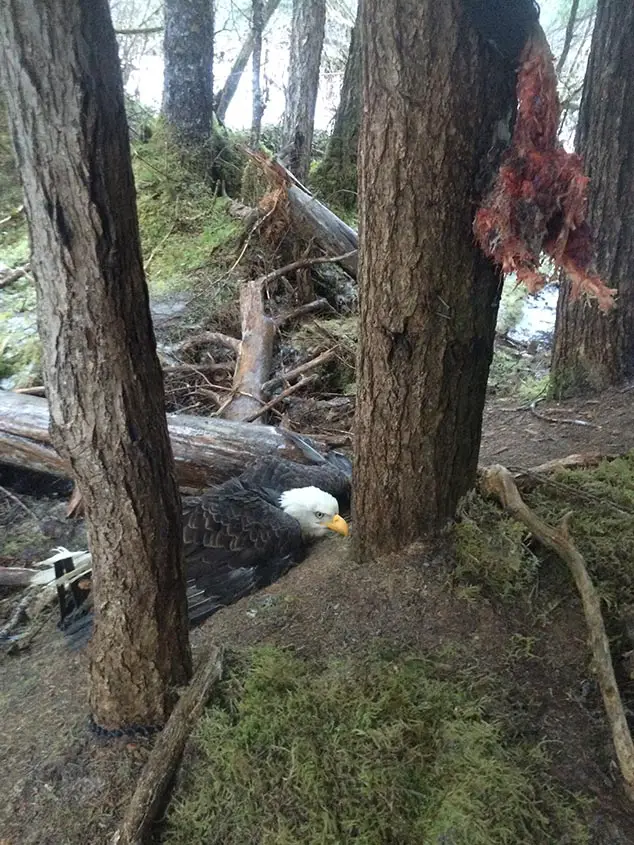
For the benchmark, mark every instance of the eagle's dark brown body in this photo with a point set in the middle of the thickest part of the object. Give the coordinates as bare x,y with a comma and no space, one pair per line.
236,537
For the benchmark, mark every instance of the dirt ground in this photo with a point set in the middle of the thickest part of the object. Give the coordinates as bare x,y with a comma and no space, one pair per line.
60,786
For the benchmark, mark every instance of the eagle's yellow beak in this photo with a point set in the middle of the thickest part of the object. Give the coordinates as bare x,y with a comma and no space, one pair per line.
338,524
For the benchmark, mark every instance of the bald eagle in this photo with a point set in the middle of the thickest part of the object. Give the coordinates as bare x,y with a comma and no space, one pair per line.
247,532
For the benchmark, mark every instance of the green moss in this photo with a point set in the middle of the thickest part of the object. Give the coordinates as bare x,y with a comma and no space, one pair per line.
183,223
20,348
493,550
492,554
373,750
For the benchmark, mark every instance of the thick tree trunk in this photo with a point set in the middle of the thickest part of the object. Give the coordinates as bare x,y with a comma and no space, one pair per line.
188,75
434,93
593,350
101,371
225,95
307,38
336,176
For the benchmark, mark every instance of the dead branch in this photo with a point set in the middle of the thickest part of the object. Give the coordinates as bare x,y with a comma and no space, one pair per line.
290,375
14,275
37,390
498,481
563,421
19,503
198,369
18,211
277,399
302,311
304,262
157,775
15,576
311,218
207,338
255,356
527,479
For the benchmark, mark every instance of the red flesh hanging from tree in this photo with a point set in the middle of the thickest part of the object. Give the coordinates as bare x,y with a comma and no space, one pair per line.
539,200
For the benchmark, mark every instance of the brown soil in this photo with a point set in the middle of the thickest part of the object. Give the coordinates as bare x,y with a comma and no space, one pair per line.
62,787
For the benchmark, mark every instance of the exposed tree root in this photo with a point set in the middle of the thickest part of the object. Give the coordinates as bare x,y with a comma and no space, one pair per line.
498,481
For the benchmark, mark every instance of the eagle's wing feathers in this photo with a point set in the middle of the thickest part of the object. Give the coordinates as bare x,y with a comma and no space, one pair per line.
235,542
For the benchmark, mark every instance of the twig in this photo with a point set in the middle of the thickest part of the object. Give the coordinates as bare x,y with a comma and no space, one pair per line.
277,399
13,215
198,369
301,311
157,775
564,421
158,246
304,262
290,375
19,502
497,480
19,611
210,337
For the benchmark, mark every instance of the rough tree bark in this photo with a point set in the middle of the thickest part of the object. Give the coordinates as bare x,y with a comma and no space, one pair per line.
336,176
225,95
102,374
307,39
428,297
188,75
593,350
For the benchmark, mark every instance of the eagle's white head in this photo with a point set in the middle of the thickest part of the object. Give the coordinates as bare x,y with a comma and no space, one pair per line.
316,511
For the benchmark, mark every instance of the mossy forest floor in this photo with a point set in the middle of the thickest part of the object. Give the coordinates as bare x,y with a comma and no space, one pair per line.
442,696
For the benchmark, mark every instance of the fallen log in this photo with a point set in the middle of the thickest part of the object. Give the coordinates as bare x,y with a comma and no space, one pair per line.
14,275
496,480
310,218
255,357
156,777
206,451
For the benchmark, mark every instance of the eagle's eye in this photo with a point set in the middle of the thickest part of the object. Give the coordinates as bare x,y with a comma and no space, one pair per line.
319,515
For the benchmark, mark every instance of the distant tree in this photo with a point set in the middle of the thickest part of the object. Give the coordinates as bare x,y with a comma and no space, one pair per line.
257,26
225,95
188,76
570,35
103,378
592,349
434,94
307,38
336,176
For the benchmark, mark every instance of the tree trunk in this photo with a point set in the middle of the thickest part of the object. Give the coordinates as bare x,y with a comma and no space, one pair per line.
307,38
428,297
225,95
101,371
188,75
257,26
336,176
593,350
